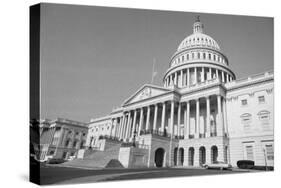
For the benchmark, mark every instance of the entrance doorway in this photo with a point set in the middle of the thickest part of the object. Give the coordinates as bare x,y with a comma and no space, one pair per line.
191,156
202,155
214,154
181,157
159,157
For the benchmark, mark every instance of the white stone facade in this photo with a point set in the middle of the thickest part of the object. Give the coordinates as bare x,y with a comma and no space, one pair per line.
202,113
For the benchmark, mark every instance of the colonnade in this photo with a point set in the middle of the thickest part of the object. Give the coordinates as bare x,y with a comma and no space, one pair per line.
191,76
158,118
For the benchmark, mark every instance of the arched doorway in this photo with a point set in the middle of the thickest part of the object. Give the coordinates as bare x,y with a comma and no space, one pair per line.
191,156
202,155
181,156
214,154
175,156
159,157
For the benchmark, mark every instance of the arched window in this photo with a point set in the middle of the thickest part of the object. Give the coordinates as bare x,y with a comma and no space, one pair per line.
187,56
74,144
198,55
204,55
82,145
192,55
210,56
246,118
264,116
182,58
67,143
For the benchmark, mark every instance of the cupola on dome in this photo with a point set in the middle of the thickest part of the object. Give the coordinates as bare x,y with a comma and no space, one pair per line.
198,39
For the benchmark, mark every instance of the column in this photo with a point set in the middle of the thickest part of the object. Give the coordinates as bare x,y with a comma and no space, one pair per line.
147,118
220,122
124,127
225,128
227,77
171,132
222,76
128,126
187,127
116,128
181,83
140,121
217,74
176,78
187,75
121,126
163,117
210,74
195,75
134,123
203,75
172,118
155,117
112,123
197,118
208,116
179,117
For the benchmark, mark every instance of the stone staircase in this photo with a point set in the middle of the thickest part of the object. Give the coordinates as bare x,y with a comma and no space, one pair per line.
95,158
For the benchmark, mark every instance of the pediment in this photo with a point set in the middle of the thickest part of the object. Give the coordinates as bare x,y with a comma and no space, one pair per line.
145,92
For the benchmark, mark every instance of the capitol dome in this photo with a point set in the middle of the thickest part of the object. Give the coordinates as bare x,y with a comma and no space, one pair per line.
200,40
197,60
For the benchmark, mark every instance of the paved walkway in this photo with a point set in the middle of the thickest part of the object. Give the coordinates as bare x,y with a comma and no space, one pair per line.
97,178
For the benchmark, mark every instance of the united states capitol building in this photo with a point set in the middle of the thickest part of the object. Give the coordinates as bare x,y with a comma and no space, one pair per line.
201,114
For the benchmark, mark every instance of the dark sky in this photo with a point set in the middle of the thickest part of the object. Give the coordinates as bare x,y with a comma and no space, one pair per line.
93,58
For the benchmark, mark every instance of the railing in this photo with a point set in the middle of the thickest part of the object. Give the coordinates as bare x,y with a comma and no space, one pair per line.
202,135
155,132
191,136
213,134
113,138
62,120
135,145
181,137
160,133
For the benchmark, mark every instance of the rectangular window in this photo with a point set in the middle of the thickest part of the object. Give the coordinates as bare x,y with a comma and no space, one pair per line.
244,102
250,153
269,152
64,155
261,99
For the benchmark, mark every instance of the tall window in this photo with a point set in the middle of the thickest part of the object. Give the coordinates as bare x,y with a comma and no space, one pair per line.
269,151
74,144
244,102
250,152
204,56
210,56
198,55
261,99
67,143
246,121
264,115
